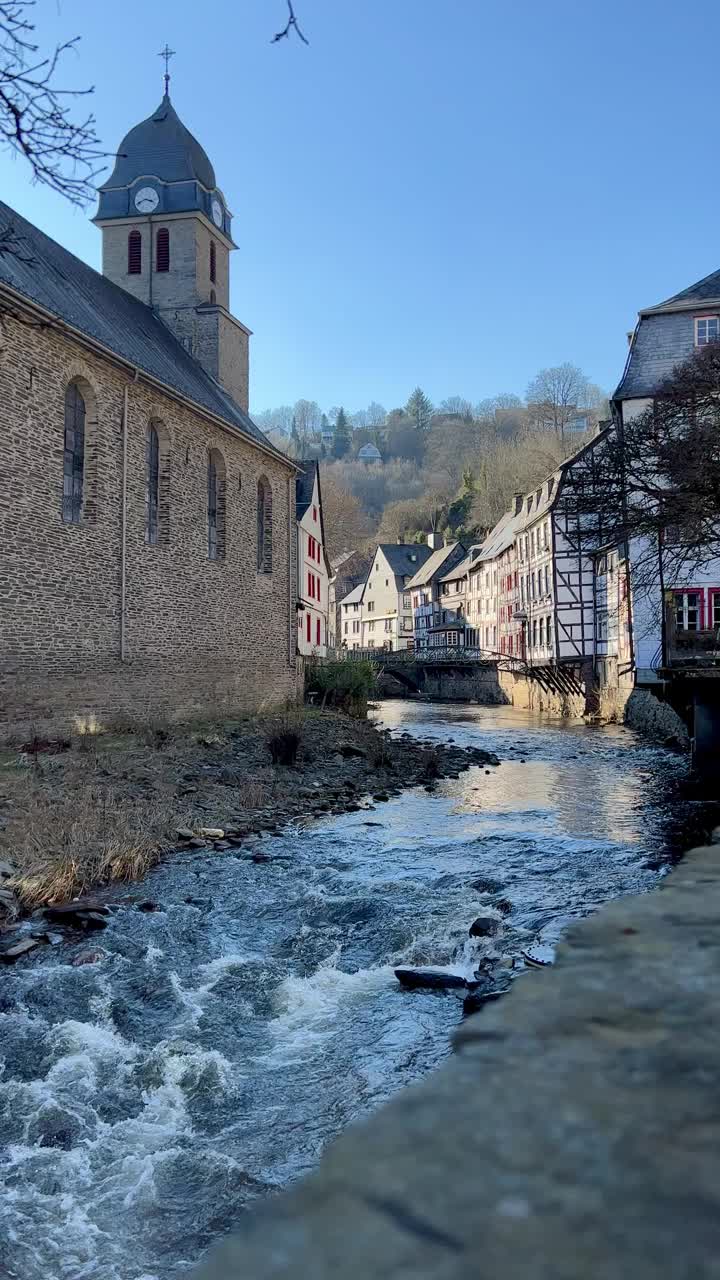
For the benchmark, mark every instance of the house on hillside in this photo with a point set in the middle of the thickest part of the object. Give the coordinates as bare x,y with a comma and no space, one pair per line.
387,615
312,561
425,589
369,454
350,634
147,526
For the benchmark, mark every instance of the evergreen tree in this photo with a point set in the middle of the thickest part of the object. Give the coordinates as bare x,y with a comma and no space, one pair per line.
341,438
420,409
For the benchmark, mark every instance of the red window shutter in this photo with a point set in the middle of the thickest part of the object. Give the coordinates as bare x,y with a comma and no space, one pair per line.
134,253
317,630
308,627
310,582
162,250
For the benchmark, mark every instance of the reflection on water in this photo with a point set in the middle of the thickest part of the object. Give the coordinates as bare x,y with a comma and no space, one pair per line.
225,1038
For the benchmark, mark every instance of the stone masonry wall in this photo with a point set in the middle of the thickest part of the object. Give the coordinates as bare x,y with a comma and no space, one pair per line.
200,634
528,695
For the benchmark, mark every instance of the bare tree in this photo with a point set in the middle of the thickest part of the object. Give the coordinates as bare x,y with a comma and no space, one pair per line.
347,526
555,395
36,112
290,25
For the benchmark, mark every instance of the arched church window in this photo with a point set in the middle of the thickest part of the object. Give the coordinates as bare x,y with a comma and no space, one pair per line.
134,253
162,250
73,455
216,505
264,526
213,261
152,485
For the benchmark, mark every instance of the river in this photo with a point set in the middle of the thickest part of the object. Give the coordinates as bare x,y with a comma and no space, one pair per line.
225,1038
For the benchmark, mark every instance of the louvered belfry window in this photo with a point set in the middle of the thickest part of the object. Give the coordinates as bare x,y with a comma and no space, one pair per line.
152,495
163,250
73,455
213,264
134,253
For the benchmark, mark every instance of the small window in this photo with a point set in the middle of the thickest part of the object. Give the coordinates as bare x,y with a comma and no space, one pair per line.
73,455
317,630
134,253
308,625
162,250
707,329
687,610
716,608
213,262
371,606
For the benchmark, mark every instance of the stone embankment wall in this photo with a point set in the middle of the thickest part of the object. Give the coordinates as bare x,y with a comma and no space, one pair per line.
572,1134
655,719
528,695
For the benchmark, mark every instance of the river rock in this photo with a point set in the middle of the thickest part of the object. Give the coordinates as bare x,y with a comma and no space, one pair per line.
486,884
78,915
148,906
348,750
88,957
475,1000
432,978
211,833
197,842
18,949
184,833
484,927
9,905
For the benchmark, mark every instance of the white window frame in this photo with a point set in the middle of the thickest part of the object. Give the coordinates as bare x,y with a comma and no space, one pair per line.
706,338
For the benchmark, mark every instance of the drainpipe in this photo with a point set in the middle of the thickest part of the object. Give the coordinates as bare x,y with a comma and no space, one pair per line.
292,619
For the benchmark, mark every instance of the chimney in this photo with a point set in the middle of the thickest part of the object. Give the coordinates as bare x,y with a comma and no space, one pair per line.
435,541
518,503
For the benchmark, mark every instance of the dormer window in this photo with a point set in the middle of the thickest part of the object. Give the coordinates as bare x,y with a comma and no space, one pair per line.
162,250
707,329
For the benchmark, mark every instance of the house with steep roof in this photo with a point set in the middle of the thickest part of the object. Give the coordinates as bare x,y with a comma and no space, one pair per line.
312,561
424,588
350,626
147,526
387,619
666,335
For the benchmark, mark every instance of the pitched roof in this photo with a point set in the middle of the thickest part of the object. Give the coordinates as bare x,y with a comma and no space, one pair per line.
354,596
161,147
705,290
462,569
435,563
404,557
46,274
304,485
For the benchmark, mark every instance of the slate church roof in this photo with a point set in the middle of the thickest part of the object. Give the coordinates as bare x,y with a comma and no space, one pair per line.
161,147
42,271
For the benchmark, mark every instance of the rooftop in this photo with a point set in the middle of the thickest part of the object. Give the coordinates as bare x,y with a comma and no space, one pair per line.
161,147
435,563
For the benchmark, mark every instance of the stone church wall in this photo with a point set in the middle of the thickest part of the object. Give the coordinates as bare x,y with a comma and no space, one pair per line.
200,635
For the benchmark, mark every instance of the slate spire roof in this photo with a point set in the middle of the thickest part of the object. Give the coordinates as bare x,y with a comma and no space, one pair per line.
161,147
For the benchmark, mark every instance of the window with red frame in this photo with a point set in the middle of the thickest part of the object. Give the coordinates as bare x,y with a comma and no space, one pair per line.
307,627
311,547
317,629
310,584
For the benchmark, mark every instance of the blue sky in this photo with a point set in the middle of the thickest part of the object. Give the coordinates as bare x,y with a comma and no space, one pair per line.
454,193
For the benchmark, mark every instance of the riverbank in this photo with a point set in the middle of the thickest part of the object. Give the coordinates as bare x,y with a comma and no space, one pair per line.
573,1133
81,813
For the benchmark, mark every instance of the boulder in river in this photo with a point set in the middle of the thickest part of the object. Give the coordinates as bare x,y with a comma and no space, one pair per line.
431,978
475,1000
484,927
18,949
83,914
88,957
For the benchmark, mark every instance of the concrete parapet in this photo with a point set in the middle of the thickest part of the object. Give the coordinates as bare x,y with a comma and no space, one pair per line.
574,1133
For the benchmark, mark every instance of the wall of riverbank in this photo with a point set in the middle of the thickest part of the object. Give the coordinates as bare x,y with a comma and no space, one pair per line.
571,1134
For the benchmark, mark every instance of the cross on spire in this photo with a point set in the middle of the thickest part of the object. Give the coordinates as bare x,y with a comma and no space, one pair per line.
167,53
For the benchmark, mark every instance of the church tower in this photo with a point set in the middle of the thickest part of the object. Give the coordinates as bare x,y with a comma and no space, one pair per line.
167,240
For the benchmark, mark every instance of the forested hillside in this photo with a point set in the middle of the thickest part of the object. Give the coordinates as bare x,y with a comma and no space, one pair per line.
453,467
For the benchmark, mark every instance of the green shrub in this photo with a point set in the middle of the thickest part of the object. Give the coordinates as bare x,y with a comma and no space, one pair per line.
345,683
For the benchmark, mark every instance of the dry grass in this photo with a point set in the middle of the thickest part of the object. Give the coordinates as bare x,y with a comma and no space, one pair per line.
68,841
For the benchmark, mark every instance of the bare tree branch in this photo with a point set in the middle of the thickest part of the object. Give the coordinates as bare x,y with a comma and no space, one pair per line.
291,23
36,119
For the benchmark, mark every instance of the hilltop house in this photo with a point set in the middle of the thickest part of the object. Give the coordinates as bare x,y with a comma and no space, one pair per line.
387,617
147,526
313,566
425,589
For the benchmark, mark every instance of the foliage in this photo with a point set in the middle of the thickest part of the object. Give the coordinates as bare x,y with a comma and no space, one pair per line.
347,525
36,120
345,682
341,436
419,409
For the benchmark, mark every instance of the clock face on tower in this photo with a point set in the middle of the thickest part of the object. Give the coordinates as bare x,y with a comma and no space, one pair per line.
146,200
217,213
